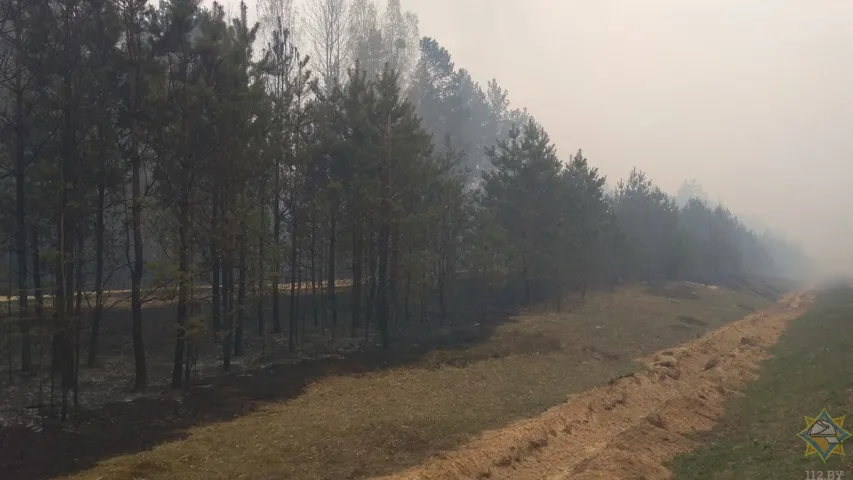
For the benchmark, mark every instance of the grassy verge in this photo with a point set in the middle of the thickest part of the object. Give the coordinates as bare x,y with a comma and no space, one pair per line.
811,370
354,426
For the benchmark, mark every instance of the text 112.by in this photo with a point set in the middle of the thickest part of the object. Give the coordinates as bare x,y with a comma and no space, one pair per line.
825,475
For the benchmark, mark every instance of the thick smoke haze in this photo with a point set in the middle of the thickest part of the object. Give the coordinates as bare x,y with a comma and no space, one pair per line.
753,98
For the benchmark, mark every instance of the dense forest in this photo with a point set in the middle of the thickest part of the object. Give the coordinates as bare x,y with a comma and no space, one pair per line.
326,166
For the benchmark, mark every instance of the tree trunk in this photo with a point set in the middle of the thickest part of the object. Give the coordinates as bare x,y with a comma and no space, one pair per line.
330,280
78,324
356,274
78,310
276,319
294,255
99,277
314,270
232,296
183,281
10,271
39,308
227,295
227,315
141,378
393,267
188,349
370,304
485,296
68,212
261,274
216,282
78,276
300,311
241,301
37,288
383,303
442,288
422,301
59,350
406,296
20,208
64,301
408,289
321,271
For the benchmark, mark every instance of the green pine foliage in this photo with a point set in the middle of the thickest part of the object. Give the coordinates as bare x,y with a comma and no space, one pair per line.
221,157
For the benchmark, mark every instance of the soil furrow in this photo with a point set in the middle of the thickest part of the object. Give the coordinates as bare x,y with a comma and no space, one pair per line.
630,427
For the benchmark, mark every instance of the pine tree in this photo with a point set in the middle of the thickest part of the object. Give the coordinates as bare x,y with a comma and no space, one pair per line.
522,190
403,146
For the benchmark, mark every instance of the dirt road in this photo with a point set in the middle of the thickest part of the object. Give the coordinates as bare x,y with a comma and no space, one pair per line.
629,428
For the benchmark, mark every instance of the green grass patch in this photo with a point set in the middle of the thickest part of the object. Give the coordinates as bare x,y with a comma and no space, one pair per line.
811,369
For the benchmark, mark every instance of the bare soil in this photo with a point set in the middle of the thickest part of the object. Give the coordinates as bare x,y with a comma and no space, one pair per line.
629,428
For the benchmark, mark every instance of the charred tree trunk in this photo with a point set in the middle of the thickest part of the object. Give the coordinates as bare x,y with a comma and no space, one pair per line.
141,372
68,211
183,294
20,207
78,275
241,301
37,288
39,308
407,294
227,313
261,275
484,295
422,301
227,284
330,279
64,299
300,311
442,287
99,277
78,310
324,313
10,255
393,271
276,318
216,268
314,271
370,304
383,304
527,293
356,275
189,348
294,256
64,308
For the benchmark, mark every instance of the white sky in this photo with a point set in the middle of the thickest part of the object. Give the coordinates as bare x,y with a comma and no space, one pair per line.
754,98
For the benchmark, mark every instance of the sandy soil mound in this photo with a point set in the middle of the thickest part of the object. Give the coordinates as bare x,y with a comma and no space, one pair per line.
629,428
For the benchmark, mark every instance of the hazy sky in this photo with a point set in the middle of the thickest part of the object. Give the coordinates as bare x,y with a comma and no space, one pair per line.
754,98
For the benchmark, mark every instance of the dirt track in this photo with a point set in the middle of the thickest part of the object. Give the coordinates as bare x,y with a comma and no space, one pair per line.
629,428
